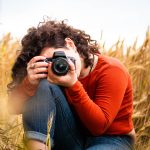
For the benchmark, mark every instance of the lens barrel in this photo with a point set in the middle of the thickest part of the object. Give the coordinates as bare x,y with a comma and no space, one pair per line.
60,66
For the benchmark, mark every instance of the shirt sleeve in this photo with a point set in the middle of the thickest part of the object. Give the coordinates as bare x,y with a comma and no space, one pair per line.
98,114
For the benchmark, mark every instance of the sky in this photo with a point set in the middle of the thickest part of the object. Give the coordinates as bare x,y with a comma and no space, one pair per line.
116,19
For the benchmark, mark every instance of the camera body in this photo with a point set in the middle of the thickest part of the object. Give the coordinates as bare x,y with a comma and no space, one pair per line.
60,65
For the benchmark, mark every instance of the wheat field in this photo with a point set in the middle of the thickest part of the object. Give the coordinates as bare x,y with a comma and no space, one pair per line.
136,59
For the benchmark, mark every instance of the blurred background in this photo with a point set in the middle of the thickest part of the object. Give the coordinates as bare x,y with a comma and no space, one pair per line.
121,28
124,19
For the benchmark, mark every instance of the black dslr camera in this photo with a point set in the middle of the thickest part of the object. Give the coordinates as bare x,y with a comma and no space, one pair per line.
60,65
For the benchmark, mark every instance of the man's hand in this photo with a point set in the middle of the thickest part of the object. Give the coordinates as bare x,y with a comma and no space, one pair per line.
36,69
67,80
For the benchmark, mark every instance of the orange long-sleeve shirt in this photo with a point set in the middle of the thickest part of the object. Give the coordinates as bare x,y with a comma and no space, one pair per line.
104,99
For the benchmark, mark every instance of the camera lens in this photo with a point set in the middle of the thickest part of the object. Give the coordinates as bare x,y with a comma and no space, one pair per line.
60,66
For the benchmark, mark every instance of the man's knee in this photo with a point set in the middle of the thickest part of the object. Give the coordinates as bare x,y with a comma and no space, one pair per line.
45,85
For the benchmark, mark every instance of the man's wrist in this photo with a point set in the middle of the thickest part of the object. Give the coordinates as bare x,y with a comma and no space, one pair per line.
29,88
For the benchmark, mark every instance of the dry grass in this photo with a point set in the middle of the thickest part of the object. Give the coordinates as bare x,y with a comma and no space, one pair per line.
10,126
137,61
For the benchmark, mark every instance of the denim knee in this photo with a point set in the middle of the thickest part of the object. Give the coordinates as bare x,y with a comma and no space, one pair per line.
45,85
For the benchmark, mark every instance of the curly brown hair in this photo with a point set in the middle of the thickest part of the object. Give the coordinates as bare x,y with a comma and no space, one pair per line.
50,33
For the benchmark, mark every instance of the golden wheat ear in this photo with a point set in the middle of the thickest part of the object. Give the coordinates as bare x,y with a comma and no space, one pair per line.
49,125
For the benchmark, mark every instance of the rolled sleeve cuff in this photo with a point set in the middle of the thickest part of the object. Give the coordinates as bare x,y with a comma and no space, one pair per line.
36,136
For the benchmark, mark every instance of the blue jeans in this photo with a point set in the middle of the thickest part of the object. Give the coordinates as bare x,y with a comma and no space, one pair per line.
67,132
